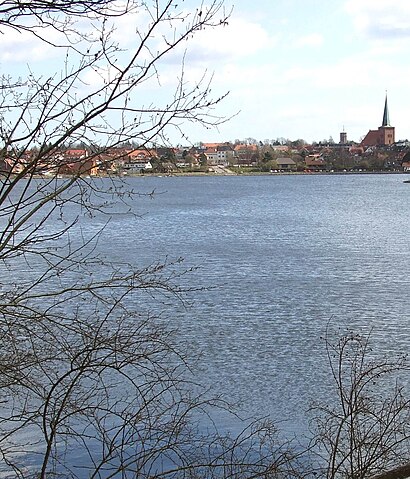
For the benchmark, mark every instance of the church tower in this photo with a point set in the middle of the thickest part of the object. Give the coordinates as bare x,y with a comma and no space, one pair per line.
386,131
384,135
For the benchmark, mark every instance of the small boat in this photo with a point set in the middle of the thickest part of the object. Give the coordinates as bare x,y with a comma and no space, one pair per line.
406,181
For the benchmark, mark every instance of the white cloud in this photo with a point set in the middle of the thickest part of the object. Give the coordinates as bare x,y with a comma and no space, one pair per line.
381,20
356,71
22,47
238,39
222,50
312,40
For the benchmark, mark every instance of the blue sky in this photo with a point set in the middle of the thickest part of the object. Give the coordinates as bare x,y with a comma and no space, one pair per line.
309,68
294,68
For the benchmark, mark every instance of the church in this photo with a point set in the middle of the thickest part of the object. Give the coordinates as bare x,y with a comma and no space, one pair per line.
384,135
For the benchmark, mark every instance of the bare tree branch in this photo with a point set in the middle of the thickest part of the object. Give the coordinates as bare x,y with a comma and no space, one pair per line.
86,367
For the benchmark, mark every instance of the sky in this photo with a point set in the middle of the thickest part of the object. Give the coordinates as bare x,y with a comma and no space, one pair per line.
312,68
294,69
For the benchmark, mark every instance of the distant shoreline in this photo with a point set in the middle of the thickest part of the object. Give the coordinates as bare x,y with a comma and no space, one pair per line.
213,174
256,173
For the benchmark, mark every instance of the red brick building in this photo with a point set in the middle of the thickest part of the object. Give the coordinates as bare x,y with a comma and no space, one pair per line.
384,135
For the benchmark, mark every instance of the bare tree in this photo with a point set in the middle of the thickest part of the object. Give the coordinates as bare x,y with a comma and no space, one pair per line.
91,384
366,429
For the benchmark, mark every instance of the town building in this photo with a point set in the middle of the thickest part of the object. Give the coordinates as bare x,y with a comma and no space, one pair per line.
138,160
218,153
286,164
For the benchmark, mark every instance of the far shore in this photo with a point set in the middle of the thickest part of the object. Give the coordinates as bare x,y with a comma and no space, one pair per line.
261,173
230,173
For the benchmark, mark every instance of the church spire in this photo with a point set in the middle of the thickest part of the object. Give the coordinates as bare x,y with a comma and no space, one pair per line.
386,119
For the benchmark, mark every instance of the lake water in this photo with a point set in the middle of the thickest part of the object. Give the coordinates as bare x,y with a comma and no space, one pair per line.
278,259
284,257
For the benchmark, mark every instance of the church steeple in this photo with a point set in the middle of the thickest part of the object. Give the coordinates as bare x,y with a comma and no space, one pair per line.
384,135
386,119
